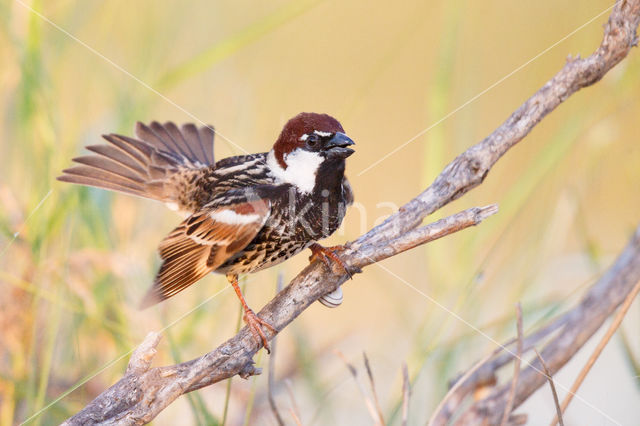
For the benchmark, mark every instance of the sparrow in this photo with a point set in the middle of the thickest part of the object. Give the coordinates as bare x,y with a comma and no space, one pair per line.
242,214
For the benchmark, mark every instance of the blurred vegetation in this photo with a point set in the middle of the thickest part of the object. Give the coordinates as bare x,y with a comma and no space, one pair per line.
74,262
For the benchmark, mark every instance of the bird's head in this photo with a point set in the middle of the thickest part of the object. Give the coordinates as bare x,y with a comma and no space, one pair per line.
309,135
311,150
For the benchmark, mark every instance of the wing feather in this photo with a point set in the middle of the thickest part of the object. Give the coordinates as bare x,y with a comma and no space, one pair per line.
153,166
203,242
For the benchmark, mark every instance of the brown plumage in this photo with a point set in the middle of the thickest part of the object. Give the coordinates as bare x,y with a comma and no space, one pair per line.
243,213
200,245
157,165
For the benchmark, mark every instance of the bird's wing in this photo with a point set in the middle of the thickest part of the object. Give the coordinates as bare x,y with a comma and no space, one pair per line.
191,143
152,166
202,243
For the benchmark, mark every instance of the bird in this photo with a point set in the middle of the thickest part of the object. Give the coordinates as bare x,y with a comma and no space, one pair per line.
241,214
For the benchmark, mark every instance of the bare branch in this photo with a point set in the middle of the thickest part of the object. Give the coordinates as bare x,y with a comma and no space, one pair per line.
144,392
601,345
578,325
459,390
483,373
142,357
150,392
470,168
374,253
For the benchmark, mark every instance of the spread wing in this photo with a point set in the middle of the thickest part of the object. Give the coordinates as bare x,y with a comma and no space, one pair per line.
202,243
189,142
152,166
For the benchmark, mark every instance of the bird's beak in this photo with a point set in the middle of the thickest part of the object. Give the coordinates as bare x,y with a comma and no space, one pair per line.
336,147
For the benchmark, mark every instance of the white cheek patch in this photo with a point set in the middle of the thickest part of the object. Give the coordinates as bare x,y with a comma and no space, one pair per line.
301,170
232,218
322,134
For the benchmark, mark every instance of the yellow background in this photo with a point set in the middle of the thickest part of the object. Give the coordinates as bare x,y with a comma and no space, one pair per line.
72,278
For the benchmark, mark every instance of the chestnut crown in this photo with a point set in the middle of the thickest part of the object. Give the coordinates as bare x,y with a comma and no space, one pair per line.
312,132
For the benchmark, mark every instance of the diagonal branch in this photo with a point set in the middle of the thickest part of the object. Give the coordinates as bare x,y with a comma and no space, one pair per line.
565,336
581,323
144,392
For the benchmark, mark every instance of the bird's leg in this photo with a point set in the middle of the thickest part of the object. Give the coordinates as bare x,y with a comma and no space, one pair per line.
253,321
327,254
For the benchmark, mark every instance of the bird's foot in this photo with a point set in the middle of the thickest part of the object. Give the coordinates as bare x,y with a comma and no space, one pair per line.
328,254
255,324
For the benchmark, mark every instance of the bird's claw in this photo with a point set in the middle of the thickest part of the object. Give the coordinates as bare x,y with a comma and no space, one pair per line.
327,254
255,324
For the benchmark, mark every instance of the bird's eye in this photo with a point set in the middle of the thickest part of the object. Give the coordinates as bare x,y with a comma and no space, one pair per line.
312,140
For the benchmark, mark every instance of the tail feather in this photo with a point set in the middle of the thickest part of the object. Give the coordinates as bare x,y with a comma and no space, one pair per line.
137,150
102,175
117,155
114,186
148,166
111,166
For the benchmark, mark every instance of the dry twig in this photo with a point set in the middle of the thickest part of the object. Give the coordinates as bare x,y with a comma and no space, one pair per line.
516,372
144,392
354,373
452,399
554,393
578,325
295,410
372,383
598,350
483,372
406,393
272,366
296,419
